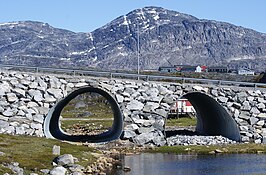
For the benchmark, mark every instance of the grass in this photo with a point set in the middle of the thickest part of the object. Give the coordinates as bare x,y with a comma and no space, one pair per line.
33,153
184,121
229,149
96,105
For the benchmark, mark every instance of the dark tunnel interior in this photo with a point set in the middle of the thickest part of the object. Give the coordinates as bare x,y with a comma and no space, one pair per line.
212,118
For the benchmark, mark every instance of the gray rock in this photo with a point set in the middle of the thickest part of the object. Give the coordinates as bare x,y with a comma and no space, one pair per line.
242,94
10,130
4,88
56,150
260,123
142,130
33,85
254,110
58,171
236,113
38,118
49,99
45,171
156,99
42,110
244,115
163,90
75,168
1,109
41,83
32,104
9,112
214,92
144,122
198,88
81,84
262,115
3,118
257,141
253,120
131,127
152,92
150,106
243,128
57,93
159,140
127,134
135,105
119,98
237,105
36,126
261,106
161,112
11,97
3,124
250,98
20,130
222,99
15,168
246,106
65,159
261,100
264,139
169,98
143,138
245,139
19,92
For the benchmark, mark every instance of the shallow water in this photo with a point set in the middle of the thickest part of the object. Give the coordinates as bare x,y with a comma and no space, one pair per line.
168,164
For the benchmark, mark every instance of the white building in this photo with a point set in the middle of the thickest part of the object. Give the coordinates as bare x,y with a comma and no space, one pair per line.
198,69
245,71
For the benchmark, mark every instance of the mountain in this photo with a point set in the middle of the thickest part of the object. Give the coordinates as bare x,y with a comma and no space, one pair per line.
165,38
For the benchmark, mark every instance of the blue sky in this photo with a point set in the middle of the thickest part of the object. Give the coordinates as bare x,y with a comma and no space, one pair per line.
88,15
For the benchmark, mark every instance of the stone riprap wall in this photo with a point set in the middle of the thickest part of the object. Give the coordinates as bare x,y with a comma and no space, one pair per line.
25,99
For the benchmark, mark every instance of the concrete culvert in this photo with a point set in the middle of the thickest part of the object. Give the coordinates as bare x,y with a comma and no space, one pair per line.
212,118
52,127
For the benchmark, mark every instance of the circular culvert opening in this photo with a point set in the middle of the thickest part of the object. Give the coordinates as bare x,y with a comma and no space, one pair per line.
211,119
87,114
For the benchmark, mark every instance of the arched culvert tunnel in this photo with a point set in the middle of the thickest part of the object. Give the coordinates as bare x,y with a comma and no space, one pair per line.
212,118
52,127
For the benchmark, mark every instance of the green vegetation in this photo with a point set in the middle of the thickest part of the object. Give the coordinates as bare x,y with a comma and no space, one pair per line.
232,148
90,106
33,153
184,121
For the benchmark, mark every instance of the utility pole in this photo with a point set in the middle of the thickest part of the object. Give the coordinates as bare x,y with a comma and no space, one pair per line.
138,50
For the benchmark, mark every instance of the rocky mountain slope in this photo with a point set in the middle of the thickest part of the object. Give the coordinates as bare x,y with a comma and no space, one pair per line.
165,37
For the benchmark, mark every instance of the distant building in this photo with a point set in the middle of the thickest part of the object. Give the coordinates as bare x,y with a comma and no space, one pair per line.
198,69
245,71
219,69
204,68
168,69
183,68
182,106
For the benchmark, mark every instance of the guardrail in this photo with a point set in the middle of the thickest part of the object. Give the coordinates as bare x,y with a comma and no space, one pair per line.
131,75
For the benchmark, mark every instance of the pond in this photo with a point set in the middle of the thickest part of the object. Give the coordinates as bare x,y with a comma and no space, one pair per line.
158,164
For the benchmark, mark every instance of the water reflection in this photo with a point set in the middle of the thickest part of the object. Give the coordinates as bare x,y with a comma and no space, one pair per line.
194,164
